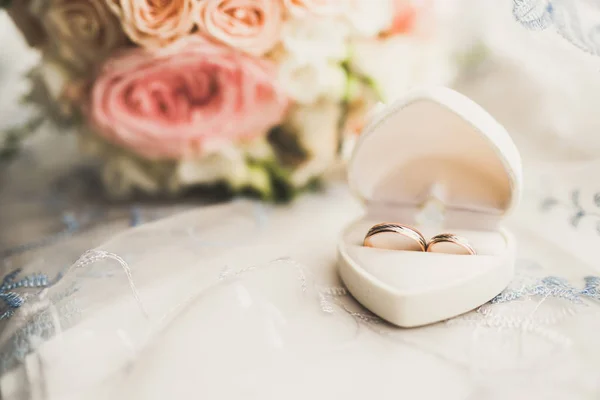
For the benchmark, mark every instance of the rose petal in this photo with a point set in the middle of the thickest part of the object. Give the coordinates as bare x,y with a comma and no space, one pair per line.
177,104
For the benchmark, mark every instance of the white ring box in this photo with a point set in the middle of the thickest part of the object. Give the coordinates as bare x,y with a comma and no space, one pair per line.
430,138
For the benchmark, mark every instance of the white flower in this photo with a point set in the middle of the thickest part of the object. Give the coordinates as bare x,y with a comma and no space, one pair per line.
316,39
55,78
122,176
227,165
230,166
307,82
368,18
318,131
314,47
397,64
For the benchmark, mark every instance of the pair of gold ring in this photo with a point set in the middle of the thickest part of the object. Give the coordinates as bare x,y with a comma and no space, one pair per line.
402,237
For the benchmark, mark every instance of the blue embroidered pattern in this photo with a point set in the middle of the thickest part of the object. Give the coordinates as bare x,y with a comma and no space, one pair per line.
571,19
41,327
577,211
591,289
13,300
533,14
553,287
135,216
72,224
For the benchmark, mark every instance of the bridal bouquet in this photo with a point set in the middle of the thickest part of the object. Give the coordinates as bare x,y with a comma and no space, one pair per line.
258,95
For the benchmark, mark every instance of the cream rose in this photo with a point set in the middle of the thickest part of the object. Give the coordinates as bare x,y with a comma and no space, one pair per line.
82,32
312,40
306,83
186,100
252,26
152,23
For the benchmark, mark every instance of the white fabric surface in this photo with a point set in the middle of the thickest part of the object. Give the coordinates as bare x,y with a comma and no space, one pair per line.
242,300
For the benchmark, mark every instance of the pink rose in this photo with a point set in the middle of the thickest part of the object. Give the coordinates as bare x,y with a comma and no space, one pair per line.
184,100
152,23
301,8
252,26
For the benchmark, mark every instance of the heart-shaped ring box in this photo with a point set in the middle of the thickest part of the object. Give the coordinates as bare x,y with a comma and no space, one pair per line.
432,137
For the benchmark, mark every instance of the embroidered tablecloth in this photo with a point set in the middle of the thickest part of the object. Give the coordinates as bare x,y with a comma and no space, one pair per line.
242,299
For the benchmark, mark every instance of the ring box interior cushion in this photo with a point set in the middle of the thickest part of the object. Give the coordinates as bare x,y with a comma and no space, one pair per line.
432,137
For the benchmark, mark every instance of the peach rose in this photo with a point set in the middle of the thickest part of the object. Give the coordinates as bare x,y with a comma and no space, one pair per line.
82,32
186,99
301,8
407,14
152,23
252,26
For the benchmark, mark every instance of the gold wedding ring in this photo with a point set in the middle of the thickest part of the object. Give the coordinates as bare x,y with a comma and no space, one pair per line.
450,244
395,237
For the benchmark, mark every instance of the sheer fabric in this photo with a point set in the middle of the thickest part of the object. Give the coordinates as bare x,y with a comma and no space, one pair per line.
243,300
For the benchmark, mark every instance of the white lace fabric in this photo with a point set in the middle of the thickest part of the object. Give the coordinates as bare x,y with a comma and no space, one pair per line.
242,300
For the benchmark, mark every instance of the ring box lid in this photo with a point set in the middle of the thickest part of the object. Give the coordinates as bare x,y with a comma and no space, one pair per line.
436,137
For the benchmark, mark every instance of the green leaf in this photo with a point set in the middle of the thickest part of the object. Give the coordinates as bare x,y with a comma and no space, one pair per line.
63,115
14,137
275,182
287,146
